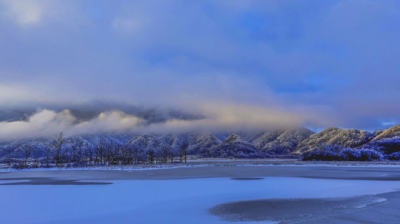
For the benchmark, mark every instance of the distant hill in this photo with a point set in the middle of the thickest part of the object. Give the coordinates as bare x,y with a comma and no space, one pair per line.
202,143
388,133
254,144
335,136
234,147
286,142
266,138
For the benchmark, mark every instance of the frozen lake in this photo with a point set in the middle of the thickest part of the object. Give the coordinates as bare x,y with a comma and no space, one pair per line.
164,201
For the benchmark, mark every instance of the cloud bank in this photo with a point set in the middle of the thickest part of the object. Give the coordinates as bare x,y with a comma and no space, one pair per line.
219,118
240,64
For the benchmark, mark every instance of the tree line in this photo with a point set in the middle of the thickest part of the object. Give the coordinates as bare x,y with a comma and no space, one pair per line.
327,152
75,152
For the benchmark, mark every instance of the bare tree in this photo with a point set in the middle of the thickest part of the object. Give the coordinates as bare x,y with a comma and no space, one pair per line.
76,148
182,145
125,154
100,150
111,152
89,152
138,154
26,150
58,146
165,151
47,149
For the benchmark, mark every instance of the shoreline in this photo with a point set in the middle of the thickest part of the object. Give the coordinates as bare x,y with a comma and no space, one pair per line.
379,173
218,162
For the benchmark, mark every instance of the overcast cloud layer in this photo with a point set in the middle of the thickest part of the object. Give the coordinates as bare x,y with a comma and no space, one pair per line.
237,63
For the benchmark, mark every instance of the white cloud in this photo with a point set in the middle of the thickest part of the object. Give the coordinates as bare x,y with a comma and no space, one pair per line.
24,11
45,123
13,94
34,12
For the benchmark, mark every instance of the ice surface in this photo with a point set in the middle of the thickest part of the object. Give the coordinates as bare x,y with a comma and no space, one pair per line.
162,201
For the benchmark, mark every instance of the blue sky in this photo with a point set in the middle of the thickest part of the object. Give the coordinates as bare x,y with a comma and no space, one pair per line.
315,63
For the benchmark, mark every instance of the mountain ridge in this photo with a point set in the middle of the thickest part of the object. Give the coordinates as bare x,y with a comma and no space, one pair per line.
295,141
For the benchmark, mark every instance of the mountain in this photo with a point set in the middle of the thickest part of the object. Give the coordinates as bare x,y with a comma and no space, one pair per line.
388,133
110,138
169,139
250,136
335,136
234,147
266,138
148,141
274,142
286,142
202,143
7,148
386,141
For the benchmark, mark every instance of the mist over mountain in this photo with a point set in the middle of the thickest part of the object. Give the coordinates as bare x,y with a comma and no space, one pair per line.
251,143
167,128
150,115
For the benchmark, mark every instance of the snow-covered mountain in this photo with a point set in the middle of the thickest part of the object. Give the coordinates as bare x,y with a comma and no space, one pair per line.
335,136
266,138
285,143
388,133
250,136
234,147
148,141
274,142
202,143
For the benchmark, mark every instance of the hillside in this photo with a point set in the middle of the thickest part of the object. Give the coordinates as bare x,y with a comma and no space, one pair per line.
202,143
286,142
234,147
388,133
147,141
335,136
274,142
266,138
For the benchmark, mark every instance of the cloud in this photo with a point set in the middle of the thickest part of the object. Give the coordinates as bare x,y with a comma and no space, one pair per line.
231,118
330,62
217,118
24,11
15,95
45,123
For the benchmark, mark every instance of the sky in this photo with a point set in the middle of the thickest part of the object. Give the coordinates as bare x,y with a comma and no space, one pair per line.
249,64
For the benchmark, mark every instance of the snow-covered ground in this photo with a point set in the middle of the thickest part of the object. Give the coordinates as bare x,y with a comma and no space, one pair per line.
163,201
226,162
